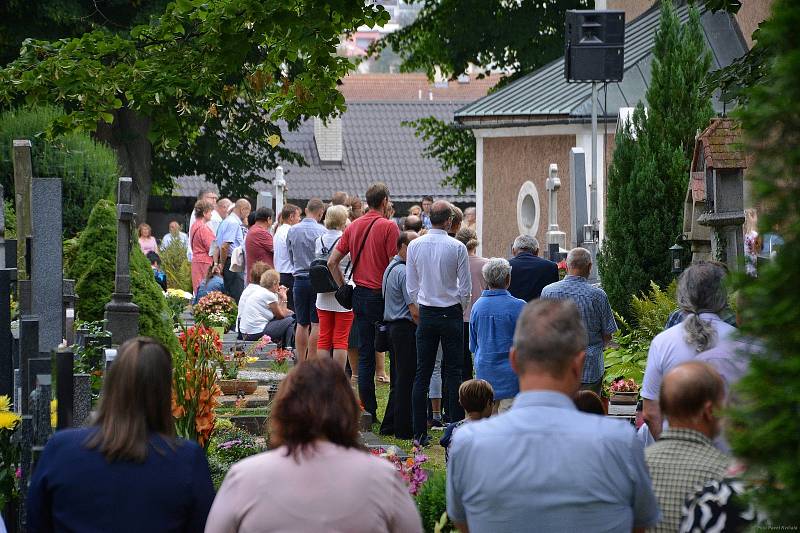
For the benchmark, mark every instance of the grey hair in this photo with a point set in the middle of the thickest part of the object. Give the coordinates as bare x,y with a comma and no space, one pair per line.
495,272
579,259
526,242
701,289
548,337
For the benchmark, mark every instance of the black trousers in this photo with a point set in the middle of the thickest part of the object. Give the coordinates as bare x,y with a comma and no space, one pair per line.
287,280
234,282
467,368
397,419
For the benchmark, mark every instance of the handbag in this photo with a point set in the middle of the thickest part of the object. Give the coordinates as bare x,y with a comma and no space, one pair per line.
382,340
237,259
344,294
321,278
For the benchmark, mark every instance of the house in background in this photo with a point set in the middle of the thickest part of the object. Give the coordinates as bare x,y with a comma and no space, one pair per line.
367,143
524,127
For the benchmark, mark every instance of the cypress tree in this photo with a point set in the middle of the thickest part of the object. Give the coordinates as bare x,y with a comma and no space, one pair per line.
649,172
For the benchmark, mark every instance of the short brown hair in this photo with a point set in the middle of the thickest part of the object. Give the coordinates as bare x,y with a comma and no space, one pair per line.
548,336
269,277
376,194
475,395
287,211
315,402
339,198
315,205
258,268
687,388
468,237
136,401
201,207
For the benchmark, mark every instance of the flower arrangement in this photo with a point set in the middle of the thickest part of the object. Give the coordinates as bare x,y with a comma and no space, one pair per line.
230,444
89,358
216,320
410,469
9,454
623,385
562,269
230,364
177,300
194,387
280,360
215,303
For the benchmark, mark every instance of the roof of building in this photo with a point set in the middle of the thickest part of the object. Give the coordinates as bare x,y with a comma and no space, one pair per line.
376,146
721,145
414,86
545,93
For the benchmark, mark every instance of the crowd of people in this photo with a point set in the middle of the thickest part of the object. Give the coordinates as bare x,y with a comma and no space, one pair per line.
499,350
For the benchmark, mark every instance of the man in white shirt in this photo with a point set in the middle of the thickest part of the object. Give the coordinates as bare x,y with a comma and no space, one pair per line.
439,283
289,216
229,237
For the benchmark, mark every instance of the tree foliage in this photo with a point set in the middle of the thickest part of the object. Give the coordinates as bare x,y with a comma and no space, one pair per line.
454,147
451,35
93,265
167,82
766,426
87,169
649,172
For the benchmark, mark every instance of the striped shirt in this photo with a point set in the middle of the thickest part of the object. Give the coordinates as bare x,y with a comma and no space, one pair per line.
597,316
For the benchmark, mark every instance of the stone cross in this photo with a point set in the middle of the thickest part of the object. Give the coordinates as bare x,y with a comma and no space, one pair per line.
122,315
47,264
554,235
23,175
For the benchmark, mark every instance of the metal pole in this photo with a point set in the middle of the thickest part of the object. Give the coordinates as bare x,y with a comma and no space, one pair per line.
593,207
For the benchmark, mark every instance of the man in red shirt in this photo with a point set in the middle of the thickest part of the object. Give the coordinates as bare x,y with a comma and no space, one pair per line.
258,243
371,241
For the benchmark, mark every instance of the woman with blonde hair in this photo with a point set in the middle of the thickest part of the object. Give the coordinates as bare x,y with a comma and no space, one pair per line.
265,311
147,242
127,471
334,320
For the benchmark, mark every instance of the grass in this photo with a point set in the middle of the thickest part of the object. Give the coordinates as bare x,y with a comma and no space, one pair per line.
434,452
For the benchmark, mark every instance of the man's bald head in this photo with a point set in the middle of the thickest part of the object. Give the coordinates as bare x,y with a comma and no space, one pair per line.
690,393
441,214
413,223
242,208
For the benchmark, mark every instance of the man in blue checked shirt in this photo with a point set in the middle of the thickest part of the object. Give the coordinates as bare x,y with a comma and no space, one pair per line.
595,311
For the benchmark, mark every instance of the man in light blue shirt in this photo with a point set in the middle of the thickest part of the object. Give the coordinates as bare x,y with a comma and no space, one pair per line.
230,235
544,465
592,302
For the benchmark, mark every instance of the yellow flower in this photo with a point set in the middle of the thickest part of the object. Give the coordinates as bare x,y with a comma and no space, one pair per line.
5,403
9,420
53,413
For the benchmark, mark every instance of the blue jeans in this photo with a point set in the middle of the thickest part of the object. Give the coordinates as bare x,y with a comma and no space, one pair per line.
368,309
445,325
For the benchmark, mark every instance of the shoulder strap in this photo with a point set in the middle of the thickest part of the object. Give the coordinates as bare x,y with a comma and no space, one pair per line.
354,262
389,273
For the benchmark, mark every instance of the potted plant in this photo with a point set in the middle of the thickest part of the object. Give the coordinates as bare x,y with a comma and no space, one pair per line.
215,303
218,322
624,391
230,365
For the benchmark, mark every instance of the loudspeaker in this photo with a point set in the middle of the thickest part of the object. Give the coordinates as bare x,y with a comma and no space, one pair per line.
594,42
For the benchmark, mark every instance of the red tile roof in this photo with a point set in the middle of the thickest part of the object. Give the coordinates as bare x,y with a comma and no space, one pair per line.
721,145
412,87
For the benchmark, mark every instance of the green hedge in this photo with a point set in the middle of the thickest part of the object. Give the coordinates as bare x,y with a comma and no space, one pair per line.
89,170
432,501
92,265
155,319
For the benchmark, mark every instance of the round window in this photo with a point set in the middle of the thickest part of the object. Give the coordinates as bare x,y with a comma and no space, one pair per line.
528,209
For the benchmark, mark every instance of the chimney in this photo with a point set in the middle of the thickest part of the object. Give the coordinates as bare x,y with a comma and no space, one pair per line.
328,138
430,95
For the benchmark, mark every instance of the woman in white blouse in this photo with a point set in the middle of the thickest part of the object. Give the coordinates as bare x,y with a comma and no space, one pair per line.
263,309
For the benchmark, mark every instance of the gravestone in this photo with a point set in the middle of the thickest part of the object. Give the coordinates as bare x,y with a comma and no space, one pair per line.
122,315
7,277
23,175
47,261
69,304
82,399
65,388
578,201
28,349
3,232
264,199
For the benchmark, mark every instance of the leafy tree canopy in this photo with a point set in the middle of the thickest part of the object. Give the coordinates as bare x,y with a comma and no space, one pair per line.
198,65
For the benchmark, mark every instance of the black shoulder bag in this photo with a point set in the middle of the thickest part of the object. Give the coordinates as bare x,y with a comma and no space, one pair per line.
344,294
382,342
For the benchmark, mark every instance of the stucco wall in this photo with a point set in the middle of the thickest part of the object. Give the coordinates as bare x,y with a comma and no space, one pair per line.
632,8
507,163
750,15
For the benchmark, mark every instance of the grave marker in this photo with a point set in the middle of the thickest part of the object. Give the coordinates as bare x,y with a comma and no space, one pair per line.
7,277
47,269
23,175
122,315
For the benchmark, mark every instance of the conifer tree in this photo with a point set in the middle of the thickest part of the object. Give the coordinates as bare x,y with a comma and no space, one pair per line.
648,176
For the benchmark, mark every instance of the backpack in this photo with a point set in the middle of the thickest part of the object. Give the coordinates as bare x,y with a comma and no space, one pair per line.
321,278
